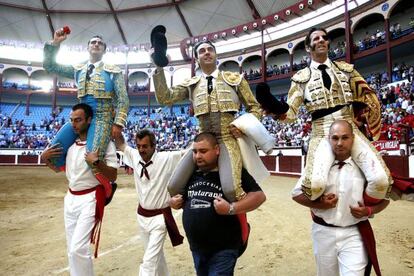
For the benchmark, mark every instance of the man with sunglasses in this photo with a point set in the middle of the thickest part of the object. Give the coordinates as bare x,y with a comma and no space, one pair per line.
101,86
336,91
216,97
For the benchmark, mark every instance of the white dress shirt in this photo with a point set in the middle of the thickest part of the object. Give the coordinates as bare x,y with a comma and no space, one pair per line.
314,65
79,174
96,65
214,75
347,184
153,193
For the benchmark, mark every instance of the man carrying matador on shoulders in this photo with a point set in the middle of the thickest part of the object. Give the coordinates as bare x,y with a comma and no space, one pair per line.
333,91
101,86
216,97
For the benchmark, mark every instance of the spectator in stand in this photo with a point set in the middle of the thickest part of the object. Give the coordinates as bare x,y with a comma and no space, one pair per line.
392,30
397,29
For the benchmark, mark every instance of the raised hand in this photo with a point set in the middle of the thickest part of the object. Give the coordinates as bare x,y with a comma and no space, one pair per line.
59,36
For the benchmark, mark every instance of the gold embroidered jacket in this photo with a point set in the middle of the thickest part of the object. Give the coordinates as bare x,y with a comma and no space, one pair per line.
107,82
348,87
230,91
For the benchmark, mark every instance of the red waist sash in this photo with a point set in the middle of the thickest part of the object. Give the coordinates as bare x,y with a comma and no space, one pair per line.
83,192
99,213
172,229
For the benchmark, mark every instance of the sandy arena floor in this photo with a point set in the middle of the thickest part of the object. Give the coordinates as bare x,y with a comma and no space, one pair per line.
33,241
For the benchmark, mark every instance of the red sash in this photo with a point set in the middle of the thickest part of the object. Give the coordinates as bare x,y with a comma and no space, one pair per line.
99,213
172,229
368,239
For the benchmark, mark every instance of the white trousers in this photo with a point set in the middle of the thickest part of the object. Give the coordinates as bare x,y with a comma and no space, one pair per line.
338,251
153,231
79,217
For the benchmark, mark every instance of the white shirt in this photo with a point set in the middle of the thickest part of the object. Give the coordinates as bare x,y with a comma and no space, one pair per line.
96,65
214,75
314,65
347,184
404,104
153,193
78,173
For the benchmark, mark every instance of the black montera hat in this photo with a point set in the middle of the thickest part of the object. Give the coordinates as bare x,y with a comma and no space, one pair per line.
268,102
159,43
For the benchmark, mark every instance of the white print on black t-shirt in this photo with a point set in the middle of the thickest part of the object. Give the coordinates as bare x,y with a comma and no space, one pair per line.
203,193
205,183
198,203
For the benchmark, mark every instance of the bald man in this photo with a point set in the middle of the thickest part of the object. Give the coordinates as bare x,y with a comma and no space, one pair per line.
341,231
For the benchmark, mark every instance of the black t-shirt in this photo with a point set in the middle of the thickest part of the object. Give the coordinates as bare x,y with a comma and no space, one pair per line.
206,230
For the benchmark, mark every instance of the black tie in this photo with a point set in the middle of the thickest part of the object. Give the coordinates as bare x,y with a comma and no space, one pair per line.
325,77
209,84
340,164
144,170
89,72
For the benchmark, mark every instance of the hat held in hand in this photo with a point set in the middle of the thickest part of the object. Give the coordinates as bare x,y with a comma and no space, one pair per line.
268,102
159,43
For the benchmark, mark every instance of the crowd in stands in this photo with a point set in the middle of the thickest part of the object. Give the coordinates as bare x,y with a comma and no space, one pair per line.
19,135
20,86
29,136
290,135
66,84
338,51
176,129
370,41
378,37
173,131
138,87
402,72
253,74
275,70
397,101
303,63
397,31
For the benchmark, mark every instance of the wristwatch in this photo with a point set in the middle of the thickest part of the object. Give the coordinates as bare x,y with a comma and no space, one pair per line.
231,209
95,163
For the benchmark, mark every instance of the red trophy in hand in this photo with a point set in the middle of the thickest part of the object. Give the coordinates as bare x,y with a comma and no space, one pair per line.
66,30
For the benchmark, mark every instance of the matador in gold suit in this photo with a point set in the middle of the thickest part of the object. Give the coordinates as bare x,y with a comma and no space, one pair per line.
216,97
330,91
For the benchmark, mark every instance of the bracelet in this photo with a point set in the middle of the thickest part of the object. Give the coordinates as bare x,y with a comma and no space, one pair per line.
231,209
369,211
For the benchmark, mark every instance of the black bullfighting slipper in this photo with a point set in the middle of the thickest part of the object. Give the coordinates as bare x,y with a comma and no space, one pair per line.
159,43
